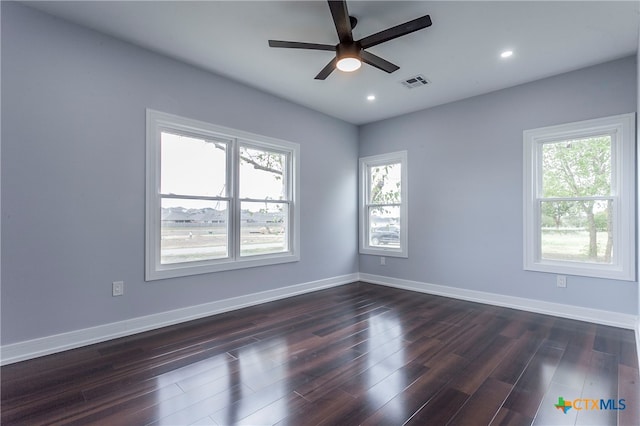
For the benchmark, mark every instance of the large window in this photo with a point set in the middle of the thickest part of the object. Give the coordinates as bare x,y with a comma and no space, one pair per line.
217,198
383,205
579,198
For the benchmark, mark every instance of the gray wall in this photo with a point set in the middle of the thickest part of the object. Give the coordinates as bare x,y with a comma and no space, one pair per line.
72,195
465,177
73,136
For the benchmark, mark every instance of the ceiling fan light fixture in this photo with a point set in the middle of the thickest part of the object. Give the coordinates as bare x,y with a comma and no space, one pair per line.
348,64
348,55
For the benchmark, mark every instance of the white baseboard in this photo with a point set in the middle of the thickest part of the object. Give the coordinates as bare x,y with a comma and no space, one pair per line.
597,316
74,339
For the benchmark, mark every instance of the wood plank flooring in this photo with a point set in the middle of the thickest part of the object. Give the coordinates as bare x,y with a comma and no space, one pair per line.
350,355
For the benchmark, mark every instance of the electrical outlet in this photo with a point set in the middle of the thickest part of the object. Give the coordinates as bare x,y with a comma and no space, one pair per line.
118,288
383,260
561,281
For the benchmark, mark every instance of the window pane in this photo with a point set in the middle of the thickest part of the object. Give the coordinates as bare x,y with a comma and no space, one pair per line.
384,226
263,228
384,184
193,230
262,174
579,231
192,166
577,168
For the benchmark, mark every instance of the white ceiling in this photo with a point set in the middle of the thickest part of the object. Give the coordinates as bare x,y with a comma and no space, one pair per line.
459,53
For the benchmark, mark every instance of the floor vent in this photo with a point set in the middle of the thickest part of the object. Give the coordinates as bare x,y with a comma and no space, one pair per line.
416,81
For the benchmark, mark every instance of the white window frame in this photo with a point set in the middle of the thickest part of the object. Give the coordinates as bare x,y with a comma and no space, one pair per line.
622,129
159,121
379,160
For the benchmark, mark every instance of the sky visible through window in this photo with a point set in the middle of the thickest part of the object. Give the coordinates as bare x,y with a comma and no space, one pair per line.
196,167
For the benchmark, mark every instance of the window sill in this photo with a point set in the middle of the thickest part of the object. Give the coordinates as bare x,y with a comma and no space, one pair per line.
387,252
581,269
187,269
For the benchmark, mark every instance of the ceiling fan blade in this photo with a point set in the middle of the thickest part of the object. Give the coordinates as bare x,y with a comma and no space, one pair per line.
378,62
395,32
327,70
341,20
300,45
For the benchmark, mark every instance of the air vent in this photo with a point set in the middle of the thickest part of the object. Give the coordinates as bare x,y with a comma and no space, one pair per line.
416,81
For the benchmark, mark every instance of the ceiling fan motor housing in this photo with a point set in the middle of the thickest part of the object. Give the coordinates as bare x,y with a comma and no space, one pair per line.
348,50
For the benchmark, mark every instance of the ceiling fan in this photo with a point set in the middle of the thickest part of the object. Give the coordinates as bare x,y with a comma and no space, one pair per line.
351,53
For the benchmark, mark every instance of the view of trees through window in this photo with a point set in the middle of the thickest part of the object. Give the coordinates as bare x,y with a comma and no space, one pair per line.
576,204
197,199
384,205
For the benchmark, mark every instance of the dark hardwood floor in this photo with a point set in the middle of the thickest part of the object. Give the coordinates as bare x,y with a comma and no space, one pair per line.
354,354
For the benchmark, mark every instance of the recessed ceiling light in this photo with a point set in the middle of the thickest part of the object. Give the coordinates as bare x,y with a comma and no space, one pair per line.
506,54
371,98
